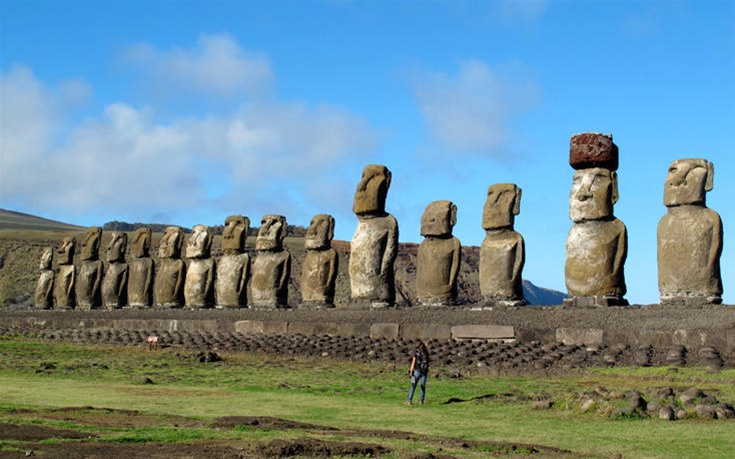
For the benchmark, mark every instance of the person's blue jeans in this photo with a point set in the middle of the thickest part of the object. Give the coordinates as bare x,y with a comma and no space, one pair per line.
417,378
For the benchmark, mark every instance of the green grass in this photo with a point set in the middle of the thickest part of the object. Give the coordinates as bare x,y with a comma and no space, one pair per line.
348,396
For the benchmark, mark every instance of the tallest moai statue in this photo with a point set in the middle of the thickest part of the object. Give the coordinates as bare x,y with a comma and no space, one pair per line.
597,244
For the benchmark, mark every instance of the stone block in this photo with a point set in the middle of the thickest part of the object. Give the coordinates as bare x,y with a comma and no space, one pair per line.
586,336
426,332
483,332
249,327
312,328
357,330
386,330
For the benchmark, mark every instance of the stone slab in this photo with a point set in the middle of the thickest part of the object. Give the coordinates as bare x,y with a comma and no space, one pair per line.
312,328
585,336
483,332
426,332
386,330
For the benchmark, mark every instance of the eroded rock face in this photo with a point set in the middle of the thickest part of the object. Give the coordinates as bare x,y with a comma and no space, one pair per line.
115,282
689,237
502,254
199,284
233,268
271,267
171,273
44,295
374,246
66,277
319,269
90,271
439,256
597,243
141,270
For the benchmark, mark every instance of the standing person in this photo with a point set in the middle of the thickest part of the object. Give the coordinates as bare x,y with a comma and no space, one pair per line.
419,371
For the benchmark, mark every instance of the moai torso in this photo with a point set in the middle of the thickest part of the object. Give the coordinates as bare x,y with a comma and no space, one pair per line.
439,256
141,270
171,272
233,268
374,246
90,272
319,269
44,295
597,243
65,278
115,282
689,238
271,267
199,285
502,254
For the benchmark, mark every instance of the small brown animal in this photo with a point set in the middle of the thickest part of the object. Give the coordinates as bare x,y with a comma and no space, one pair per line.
152,343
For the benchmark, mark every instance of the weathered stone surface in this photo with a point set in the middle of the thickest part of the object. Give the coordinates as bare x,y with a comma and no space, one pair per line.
689,237
171,272
199,284
90,271
271,268
585,336
115,281
312,328
426,332
141,270
235,234
384,330
439,256
592,149
483,332
44,294
374,246
233,269
597,243
321,264
66,277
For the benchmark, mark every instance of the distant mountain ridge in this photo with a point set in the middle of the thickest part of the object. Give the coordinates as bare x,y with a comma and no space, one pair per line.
12,220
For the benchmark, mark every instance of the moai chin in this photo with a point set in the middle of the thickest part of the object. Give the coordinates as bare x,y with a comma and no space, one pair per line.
90,271
439,256
199,284
171,273
66,277
374,246
320,266
141,270
115,282
503,253
689,237
597,243
271,268
44,295
233,269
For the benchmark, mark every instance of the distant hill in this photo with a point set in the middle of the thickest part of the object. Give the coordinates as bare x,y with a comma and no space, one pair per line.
11,220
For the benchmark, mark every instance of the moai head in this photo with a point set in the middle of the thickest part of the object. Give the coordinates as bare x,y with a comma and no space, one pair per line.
171,243
200,242
47,258
503,203
271,234
320,233
118,245
66,251
141,243
439,218
235,233
594,191
688,182
372,190
91,243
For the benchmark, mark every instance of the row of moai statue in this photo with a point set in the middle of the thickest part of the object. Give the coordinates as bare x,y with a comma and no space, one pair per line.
689,249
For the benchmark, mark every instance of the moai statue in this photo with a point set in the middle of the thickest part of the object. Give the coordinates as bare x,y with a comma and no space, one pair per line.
140,270
597,243
168,287
272,265
233,269
503,252
689,237
44,297
374,246
439,256
66,277
319,270
199,285
115,283
90,271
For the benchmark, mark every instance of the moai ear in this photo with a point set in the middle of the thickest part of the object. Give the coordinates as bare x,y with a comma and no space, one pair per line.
614,179
517,203
452,214
330,221
710,176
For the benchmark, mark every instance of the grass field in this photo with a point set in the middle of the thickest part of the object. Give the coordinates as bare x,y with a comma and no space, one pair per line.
183,400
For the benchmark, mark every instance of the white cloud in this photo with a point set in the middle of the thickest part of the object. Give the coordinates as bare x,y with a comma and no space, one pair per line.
472,111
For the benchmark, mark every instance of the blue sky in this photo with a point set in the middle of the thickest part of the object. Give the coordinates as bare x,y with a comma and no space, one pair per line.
187,112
